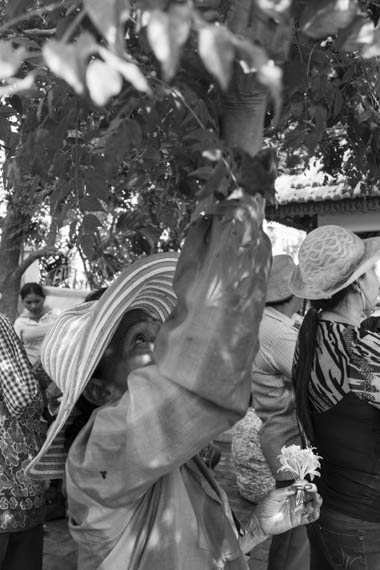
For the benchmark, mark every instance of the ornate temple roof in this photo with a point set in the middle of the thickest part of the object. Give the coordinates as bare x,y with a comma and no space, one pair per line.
302,198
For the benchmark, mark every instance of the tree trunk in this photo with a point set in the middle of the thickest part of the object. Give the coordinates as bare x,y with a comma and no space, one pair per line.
245,102
11,244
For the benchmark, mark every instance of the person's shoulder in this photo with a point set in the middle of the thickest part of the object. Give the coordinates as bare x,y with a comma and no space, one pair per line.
50,314
6,325
5,320
274,323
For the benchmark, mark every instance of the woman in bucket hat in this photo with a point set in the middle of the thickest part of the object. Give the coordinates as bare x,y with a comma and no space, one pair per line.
138,497
337,383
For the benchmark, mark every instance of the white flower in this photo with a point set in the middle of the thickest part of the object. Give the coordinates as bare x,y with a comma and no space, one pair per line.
299,462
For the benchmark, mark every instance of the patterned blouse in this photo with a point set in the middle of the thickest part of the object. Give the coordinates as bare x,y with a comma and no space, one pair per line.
347,360
21,499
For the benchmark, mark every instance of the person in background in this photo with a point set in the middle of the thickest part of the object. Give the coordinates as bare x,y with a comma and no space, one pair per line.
166,376
36,320
21,498
31,327
337,386
273,399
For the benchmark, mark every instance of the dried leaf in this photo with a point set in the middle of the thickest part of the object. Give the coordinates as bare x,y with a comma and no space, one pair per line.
69,61
102,81
167,32
217,51
322,18
10,59
130,71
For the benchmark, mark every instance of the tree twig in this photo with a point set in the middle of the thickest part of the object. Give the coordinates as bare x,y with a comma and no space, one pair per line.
33,256
36,12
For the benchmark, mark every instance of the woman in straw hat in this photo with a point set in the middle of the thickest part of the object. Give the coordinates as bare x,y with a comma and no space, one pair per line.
138,496
337,383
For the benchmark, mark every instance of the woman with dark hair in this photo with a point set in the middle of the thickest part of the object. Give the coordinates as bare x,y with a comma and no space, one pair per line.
337,383
37,319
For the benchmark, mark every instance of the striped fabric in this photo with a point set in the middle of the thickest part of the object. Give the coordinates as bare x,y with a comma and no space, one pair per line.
79,337
346,360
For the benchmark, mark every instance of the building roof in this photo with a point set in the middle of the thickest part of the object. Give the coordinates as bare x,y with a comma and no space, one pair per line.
301,198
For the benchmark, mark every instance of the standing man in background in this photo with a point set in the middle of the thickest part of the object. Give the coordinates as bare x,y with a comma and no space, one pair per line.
273,400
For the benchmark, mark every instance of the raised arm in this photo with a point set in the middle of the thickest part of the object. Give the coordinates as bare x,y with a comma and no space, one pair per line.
200,384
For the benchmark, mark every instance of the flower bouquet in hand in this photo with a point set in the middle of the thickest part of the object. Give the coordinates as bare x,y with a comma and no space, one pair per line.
300,463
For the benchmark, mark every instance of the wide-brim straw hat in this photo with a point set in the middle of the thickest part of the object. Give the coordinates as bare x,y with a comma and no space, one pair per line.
278,283
330,259
75,344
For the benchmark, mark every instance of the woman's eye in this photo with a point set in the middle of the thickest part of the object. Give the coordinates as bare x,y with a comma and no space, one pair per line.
139,338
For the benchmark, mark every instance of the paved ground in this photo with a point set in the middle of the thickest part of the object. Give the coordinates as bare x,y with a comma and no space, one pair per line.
60,551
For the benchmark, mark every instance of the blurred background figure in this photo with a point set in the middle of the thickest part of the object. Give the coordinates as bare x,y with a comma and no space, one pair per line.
31,327
274,402
35,321
21,499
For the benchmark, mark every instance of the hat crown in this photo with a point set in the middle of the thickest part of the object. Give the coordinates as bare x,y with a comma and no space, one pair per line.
278,282
330,254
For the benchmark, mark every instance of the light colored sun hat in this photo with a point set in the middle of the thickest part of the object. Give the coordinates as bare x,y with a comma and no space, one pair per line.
278,283
73,347
331,258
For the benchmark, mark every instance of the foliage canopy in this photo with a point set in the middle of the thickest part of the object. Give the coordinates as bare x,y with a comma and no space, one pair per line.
111,112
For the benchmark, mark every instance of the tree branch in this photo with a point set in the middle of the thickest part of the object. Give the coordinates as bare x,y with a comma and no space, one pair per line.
33,256
31,14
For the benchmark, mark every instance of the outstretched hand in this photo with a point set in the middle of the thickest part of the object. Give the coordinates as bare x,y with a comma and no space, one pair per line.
279,511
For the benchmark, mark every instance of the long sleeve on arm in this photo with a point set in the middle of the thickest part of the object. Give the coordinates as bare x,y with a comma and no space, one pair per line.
200,384
272,389
18,386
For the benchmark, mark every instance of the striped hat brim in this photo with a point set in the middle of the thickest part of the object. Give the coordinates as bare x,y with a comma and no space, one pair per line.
73,347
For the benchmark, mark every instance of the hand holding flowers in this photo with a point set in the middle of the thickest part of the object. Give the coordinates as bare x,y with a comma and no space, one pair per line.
300,463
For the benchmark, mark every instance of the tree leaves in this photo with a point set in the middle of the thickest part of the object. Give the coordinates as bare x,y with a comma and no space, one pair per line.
109,17
216,49
69,61
130,71
257,174
322,18
167,32
362,36
91,223
90,204
126,135
102,81
10,59
17,7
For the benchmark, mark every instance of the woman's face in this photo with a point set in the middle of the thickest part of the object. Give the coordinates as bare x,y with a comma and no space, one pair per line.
369,284
34,303
130,348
